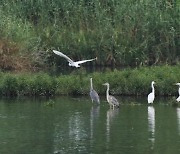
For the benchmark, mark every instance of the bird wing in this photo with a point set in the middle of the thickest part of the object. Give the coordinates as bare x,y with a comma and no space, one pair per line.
114,100
150,98
178,99
63,55
84,61
94,95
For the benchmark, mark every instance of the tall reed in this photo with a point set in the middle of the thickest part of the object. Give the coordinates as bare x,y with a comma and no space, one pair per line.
122,32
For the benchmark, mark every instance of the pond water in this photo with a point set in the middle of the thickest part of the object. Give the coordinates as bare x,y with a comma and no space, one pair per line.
74,125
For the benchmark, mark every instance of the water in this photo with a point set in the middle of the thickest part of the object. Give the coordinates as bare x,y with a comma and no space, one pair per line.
74,125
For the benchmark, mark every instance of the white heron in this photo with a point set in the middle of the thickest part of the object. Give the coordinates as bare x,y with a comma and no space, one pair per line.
178,99
93,94
111,99
71,62
151,96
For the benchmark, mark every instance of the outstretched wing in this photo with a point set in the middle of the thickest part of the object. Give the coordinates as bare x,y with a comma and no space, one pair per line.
84,61
63,55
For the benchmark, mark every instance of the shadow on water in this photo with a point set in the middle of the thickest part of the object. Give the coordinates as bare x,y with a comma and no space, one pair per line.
75,125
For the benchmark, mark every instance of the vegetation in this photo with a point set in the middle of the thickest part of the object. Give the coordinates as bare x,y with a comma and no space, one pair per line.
121,32
125,82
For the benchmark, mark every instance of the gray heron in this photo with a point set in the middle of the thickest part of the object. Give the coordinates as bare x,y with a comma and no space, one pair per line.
151,96
71,62
93,94
111,99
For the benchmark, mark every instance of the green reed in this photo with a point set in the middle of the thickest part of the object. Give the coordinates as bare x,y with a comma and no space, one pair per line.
125,82
121,32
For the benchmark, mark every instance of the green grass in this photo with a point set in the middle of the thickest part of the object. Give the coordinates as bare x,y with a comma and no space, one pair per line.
125,82
121,32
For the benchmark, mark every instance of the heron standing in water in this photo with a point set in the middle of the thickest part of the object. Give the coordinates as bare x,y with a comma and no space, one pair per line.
111,99
151,96
93,94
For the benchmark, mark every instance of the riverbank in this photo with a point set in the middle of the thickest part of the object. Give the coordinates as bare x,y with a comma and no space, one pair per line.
126,82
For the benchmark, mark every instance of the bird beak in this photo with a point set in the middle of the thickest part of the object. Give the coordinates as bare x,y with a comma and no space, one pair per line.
104,84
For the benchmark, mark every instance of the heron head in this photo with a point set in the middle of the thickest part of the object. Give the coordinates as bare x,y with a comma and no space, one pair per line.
106,84
153,82
70,64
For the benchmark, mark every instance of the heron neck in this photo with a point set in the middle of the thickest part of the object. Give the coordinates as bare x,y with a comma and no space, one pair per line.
107,91
179,90
91,83
153,90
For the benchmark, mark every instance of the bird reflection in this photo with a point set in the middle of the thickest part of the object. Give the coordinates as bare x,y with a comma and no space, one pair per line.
94,114
178,118
151,123
111,114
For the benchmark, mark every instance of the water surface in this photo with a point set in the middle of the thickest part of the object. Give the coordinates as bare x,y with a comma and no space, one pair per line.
74,125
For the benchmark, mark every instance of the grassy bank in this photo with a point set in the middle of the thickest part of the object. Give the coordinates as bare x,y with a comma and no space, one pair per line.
121,32
125,82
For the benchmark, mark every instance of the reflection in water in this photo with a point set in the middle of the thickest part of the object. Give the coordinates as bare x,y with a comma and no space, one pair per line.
27,126
94,114
75,127
151,123
111,113
178,118
70,136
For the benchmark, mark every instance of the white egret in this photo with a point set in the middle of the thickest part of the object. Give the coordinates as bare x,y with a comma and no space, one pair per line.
151,96
178,99
93,94
71,62
111,99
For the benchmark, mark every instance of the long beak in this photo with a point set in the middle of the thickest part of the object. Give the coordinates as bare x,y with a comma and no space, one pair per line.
104,84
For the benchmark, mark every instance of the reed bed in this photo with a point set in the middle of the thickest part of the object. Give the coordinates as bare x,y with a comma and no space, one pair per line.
118,32
125,82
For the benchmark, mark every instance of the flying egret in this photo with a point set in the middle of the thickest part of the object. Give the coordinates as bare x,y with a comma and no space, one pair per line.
93,94
111,99
151,96
71,62
178,99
